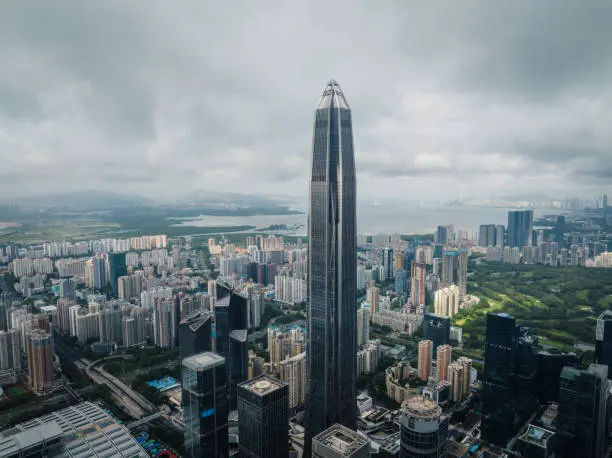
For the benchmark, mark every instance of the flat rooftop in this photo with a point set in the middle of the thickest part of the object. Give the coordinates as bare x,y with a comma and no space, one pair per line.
203,360
341,439
421,407
537,436
262,385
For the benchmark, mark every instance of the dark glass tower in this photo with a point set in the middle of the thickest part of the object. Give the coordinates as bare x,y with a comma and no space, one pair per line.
205,409
263,410
509,382
332,270
195,333
117,268
437,329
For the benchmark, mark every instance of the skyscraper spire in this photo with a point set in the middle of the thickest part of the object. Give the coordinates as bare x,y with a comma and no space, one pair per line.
332,269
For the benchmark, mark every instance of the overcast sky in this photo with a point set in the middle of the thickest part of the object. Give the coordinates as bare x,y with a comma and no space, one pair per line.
163,97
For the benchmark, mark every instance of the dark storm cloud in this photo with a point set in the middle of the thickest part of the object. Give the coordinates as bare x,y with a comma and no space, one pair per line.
163,97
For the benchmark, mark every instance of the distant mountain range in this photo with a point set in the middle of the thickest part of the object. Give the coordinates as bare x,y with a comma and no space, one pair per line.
105,200
84,200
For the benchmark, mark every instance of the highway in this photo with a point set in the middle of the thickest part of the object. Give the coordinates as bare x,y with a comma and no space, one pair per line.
134,403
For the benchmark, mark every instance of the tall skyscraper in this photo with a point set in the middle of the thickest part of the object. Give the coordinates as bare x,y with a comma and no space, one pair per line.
117,268
387,261
510,369
417,288
520,226
332,270
40,360
363,326
450,268
205,408
401,285
373,295
11,357
500,235
603,340
338,441
5,304
293,371
263,410
423,428
443,359
425,359
581,422
195,333
441,235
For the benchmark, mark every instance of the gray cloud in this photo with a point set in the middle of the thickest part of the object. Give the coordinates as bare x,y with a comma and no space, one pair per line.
161,98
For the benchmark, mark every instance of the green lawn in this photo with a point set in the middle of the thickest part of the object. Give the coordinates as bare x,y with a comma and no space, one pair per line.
559,304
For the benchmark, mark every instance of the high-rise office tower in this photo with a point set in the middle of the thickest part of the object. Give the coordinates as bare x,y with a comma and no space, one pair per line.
423,429
387,261
195,333
520,226
363,326
437,329
486,235
550,365
450,268
11,357
417,288
263,410
462,271
443,359
508,395
401,285
339,441
373,295
239,363
230,337
205,407
441,235
332,269
581,422
425,359
398,262
116,268
5,305
500,235
603,340
560,231
40,360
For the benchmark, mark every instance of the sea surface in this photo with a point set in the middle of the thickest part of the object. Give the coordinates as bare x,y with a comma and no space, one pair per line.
376,219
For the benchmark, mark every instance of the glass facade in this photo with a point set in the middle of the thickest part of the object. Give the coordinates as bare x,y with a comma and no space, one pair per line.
331,344
263,410
510,376
437,329
195,333
117,268
205,408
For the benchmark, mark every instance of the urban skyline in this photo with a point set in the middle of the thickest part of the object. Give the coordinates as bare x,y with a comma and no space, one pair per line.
150,327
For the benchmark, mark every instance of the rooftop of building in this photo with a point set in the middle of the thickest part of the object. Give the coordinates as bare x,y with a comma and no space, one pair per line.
84,430
341,439
421,407
537,436
606,315
332,97
196,319
203,360
456,450
262,385
239,334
